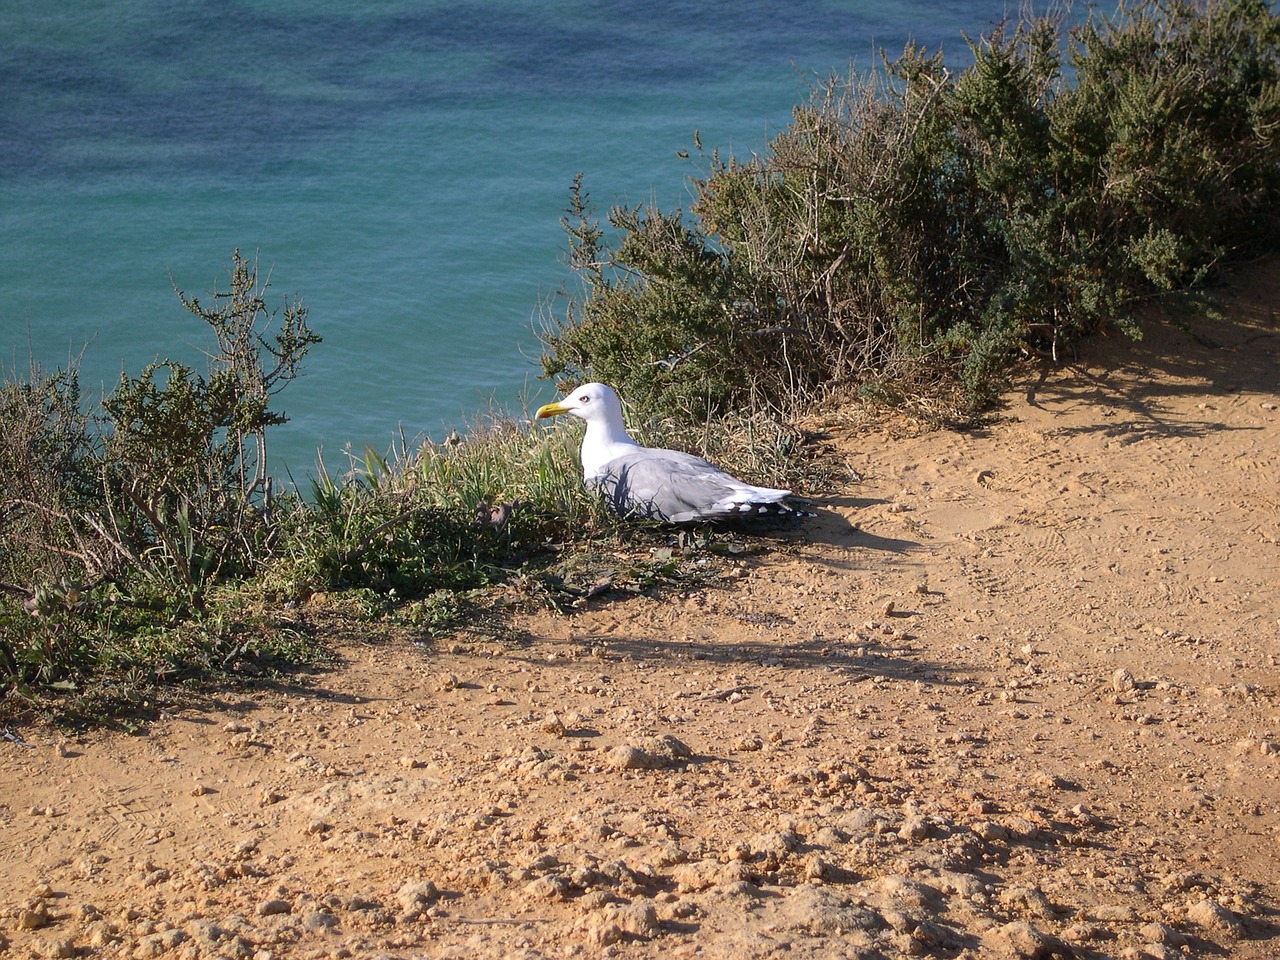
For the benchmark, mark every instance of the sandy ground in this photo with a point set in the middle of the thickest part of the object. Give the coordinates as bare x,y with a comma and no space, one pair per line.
1012,693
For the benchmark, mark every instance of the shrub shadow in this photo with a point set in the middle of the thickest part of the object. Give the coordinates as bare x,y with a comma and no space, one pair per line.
850,664
1132,382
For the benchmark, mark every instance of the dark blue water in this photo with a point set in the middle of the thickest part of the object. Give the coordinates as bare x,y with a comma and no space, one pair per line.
401,168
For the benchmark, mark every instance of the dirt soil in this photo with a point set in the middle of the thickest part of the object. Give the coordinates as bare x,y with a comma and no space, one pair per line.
1012,693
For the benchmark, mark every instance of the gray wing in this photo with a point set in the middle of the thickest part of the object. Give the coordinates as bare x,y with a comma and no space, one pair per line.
679,488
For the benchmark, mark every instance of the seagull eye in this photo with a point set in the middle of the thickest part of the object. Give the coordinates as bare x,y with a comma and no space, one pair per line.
584,399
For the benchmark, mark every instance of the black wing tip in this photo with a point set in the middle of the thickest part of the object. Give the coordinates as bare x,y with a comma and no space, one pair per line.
755,514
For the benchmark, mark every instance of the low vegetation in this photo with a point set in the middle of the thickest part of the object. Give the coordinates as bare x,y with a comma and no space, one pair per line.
912,234
144,540
915,230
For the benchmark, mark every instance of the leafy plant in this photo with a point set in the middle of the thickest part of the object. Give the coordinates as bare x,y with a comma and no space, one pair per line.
919,230
48,477
124,520
186,455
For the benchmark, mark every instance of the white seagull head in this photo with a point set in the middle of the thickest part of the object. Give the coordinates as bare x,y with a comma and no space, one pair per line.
593,402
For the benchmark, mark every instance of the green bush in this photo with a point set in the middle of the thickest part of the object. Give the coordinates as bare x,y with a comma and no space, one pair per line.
918,230
185,455
49,461
120,521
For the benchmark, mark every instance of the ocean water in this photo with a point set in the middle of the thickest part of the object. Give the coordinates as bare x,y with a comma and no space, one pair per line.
401,167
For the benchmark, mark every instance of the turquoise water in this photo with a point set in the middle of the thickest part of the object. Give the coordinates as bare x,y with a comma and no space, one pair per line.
401,169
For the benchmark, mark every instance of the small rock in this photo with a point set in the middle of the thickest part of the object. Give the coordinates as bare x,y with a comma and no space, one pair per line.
1027,943
411,763
1213,916
1022,828
898,892
1159,933
914,829
934,937
828,836
1049,781
1114,913
987,830
208,935
100,934
34,918
1028,901
818,869
960,884
649,753
898,921
545,862
319,920
819,911
158,944
596,899
1085,932
550,886
273,908
1085,816
704,874
1247,746
1122,681
58,949
777,843
602,935
617,921
416,895
553,725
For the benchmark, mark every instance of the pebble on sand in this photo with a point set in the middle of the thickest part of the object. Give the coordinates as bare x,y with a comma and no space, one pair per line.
1213,916
649,753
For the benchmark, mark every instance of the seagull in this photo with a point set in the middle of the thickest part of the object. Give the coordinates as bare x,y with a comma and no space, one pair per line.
650,482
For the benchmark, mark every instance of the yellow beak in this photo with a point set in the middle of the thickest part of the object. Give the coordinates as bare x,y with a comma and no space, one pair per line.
550,410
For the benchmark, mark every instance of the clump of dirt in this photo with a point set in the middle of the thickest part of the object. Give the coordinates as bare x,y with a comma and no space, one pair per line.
1012,693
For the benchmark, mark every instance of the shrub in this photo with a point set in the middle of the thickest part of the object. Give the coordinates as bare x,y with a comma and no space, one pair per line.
185,461
918,230
650,317
49,461
136,537
118,522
